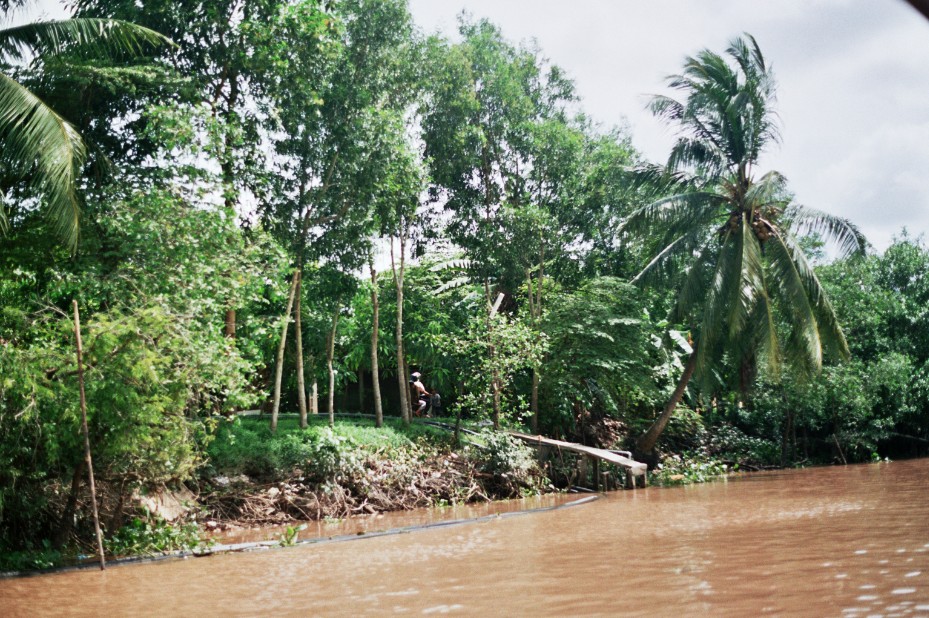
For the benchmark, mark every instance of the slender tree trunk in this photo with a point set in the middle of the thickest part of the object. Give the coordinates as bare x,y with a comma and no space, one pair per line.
87,458
330,354
534,400
646,444
279,369
314,397
230,323
537,309
405,411
298,340
492,353
67,517
375,326
787,453
535,312
227,169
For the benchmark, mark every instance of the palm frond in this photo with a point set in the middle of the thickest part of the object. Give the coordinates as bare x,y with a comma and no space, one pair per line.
791,282
846,235
94,36
749,283
4,221
694,286
40,143
675,214
762,333
657,180
699,154
655,270
768,190
453,284
712,331
831,335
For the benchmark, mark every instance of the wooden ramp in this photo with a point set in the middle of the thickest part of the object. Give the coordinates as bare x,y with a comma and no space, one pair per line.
634,469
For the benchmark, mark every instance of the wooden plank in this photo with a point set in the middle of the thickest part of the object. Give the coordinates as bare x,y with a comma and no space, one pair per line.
637,468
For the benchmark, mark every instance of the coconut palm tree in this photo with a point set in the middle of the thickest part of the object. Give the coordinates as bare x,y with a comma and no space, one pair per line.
747,290
35,142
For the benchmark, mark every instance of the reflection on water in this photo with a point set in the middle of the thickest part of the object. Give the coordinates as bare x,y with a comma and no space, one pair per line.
849,541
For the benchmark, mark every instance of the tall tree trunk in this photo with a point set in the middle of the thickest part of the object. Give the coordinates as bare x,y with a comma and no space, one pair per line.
492,353
298,340
230,323
375,326
787,453
330,354
279,369
495,384
227,169
535,313
646,444
405,411
537,310
534,400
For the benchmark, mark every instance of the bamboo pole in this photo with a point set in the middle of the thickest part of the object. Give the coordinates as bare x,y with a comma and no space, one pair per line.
87,458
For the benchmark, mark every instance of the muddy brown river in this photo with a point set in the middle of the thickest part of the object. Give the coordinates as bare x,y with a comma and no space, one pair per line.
843,541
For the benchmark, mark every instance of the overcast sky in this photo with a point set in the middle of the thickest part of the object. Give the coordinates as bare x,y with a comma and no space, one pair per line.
853,84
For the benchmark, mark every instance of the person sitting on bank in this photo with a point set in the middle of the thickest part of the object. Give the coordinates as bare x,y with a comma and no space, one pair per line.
421,392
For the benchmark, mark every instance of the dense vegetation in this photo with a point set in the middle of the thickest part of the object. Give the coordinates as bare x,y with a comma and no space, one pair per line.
297,204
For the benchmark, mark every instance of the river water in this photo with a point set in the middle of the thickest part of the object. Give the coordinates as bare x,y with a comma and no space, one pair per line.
842,541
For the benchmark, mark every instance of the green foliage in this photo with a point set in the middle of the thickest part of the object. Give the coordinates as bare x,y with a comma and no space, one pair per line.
149,380
35,136
289,536
30,559
686,469
320,453
729,443
148,535
511,462
601,352
498,352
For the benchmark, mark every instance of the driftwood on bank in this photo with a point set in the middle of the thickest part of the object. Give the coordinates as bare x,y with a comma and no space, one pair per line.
633,469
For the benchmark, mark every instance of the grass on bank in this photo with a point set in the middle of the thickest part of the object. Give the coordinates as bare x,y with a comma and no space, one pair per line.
246,445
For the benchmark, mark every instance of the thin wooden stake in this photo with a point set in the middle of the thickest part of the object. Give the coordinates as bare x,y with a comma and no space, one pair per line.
87,458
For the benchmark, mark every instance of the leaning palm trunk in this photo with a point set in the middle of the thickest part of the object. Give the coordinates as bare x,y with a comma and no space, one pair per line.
646,444
279,370
746,272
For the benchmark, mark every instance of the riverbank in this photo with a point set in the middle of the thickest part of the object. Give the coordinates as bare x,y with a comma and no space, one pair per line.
353,468
267,537
251,480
